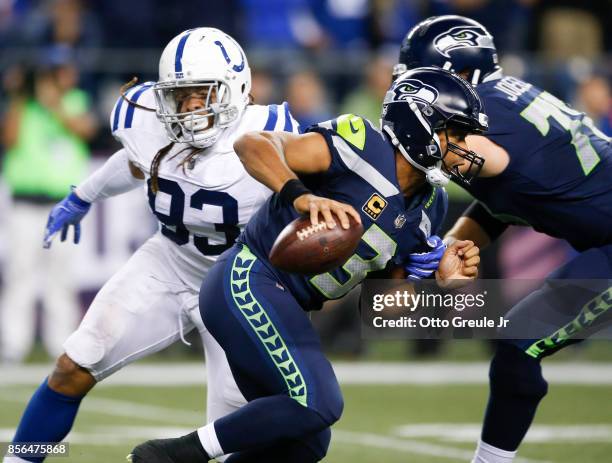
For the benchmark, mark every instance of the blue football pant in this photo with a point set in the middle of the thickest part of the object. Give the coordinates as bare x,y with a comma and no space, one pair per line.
275,356
557,315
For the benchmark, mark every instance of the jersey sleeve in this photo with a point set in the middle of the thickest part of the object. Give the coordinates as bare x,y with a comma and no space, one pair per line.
501,114
137,129
345,137
278,118
269,118
357,147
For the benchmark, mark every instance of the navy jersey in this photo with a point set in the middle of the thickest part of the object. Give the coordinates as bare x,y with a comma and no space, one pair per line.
363,174
559,179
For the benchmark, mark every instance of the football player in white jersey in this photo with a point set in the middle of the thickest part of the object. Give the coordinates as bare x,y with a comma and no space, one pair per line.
182,155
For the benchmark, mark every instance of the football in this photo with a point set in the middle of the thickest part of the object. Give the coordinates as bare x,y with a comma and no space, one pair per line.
312,249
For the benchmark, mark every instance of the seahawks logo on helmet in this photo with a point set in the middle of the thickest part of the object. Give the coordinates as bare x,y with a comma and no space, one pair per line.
462,37
412,89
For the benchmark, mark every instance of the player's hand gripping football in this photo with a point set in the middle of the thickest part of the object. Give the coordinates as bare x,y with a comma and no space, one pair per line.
459,265
328,208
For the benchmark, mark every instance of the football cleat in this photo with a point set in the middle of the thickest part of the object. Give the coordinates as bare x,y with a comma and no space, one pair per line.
185,449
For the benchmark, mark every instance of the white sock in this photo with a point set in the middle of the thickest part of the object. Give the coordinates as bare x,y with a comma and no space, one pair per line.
486,453
209,440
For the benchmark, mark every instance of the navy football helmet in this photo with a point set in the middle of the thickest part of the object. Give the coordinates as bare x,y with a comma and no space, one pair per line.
424,101
450,42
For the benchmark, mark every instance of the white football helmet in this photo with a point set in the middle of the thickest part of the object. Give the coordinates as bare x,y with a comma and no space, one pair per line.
211,63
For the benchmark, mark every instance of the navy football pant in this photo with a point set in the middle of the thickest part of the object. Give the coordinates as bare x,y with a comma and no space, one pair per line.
275,356
556,315
295,451
565,312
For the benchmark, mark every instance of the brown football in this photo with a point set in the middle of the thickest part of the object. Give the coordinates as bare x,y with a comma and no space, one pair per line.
312,249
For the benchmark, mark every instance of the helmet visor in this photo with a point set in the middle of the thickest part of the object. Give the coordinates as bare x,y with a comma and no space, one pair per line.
190,109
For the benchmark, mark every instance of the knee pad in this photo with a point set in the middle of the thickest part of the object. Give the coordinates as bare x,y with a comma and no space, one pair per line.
513,372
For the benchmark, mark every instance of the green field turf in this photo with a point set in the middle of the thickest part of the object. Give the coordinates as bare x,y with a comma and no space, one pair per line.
114,419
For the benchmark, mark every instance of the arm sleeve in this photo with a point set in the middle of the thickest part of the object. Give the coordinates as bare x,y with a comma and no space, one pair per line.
279,119
113,178
493,227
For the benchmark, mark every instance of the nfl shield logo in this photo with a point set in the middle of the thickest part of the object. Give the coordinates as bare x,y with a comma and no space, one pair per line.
399,221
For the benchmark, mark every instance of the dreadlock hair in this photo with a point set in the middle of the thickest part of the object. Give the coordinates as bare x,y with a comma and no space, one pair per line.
161,154
157,159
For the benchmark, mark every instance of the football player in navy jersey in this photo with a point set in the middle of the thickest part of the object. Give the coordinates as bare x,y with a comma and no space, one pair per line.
546,166
390,181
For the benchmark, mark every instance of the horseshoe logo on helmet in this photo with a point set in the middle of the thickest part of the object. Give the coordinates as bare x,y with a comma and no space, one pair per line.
235,67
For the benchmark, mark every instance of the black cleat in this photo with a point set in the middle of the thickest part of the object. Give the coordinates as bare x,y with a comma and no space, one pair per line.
150,452
185,449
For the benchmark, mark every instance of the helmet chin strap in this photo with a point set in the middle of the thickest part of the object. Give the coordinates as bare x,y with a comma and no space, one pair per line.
224,117
204,142
475,77
434,175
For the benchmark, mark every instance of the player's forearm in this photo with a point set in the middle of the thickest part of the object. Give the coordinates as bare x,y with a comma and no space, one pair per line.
467,228
11,123
262,156
83,126
114,178
478,225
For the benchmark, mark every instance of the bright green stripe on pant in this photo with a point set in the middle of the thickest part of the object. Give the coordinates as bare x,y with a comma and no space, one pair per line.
589,313
267,333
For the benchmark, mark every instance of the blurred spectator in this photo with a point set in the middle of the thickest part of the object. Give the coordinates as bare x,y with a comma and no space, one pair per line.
280,24
392,19
59,23
345,23
159,20
595,100
306,97
71,24
566,28
44,133
11,12
55,22
506,20
262,87
366,101
120,29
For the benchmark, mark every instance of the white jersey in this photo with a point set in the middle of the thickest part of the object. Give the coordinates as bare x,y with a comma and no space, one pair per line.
202,207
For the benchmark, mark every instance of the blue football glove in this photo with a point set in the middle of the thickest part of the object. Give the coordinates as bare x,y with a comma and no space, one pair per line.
69,211
423,264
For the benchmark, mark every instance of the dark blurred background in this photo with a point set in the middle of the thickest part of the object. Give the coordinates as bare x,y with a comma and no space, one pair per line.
322,56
